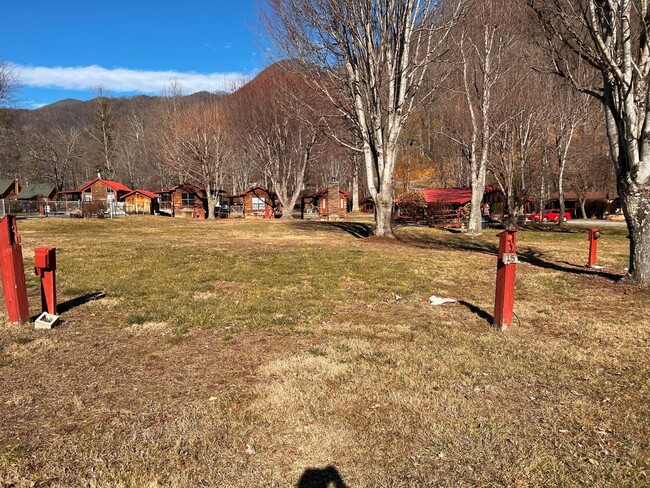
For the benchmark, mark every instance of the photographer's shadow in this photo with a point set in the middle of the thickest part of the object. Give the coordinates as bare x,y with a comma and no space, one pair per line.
328,477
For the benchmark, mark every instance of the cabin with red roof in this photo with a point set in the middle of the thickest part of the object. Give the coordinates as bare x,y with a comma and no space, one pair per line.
254,202
140,202
449,207
102,190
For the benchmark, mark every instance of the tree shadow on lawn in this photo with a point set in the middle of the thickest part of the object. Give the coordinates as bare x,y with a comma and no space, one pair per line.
528,255
357,229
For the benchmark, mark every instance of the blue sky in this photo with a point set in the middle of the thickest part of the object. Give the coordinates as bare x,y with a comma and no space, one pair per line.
63,48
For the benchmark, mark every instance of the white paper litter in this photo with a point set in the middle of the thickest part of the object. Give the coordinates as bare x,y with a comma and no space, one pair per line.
440,301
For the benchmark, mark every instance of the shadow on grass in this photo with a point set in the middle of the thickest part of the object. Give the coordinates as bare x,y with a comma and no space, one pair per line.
81,300
528,255
357,229
321,478
478,311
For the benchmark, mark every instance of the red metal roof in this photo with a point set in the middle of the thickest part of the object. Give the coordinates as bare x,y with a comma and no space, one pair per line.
146,193
448,195
455,196
111,184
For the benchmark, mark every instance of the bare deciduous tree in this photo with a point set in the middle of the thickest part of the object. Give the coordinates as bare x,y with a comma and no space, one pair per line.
199,149
373,56
277,131
104,132
485,53
54,153
8,83
570,111
610,39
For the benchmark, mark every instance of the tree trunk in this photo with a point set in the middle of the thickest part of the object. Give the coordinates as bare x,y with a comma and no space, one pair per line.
379,175
637,214
560,187
212,202
287,213
511,223
355,186
475,224
384,214
583,211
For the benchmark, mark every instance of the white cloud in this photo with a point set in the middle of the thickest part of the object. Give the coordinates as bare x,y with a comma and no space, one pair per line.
123,80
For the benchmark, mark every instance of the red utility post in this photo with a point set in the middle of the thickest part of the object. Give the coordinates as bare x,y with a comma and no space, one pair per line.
45,268
594,235
506,268
13,271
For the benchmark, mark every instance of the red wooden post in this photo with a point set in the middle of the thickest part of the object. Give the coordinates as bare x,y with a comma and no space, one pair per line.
505,289
13,271
594,234
267,212
45,268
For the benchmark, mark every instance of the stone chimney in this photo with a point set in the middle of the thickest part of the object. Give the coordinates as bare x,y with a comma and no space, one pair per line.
333,200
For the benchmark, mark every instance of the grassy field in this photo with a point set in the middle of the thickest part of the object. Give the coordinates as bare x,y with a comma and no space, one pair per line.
276,354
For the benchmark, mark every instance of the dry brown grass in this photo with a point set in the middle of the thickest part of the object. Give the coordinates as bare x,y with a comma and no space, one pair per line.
243,353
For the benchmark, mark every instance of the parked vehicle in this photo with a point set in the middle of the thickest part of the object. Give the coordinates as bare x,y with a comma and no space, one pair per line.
552,215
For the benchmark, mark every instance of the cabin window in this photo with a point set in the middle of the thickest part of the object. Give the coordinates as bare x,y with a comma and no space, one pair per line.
258,203
342,205
88,195
110,195
324,203
187,200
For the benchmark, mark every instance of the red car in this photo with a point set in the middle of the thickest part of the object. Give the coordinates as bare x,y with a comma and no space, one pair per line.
550,216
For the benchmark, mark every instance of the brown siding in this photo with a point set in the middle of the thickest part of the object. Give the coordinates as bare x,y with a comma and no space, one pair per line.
248,203
185,211
138,203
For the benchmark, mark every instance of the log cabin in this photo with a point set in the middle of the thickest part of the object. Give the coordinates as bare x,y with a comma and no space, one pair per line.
320,204
254,202
102,190
450,206
140,202
187,200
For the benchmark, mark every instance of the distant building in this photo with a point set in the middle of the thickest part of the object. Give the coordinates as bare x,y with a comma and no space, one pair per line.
323,205
596,203
9,188
254,202
38,191
103,190
97,190
140,202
